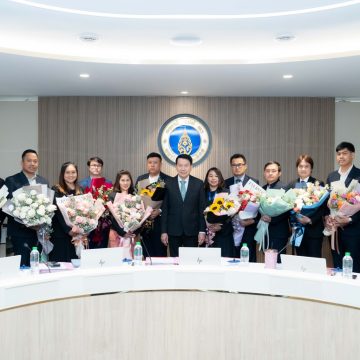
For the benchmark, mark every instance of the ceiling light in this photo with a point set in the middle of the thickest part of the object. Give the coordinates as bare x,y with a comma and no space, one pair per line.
184,92
84,76
288,76
285,37
185,40
88,37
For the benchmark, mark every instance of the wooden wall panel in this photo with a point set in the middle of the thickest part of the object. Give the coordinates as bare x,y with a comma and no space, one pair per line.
122,130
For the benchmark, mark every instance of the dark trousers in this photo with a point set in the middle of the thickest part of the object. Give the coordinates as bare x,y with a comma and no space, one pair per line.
310,246
351,244
177,241
152,240
23,246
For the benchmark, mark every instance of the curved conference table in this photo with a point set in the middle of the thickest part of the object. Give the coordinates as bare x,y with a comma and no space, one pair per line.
179,312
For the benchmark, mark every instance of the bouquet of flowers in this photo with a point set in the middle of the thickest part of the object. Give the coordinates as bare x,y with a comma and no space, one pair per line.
343,201
100,189
249,198
306,202
129,211
151,194
33,207
3,195
222,209
82,213
273,203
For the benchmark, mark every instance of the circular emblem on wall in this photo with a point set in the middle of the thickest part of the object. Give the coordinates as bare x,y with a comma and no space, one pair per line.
185,134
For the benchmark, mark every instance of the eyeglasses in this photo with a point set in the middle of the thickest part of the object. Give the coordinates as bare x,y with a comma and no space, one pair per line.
238,165
96,165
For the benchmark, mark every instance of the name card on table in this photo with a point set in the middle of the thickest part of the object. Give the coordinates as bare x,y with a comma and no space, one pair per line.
199,256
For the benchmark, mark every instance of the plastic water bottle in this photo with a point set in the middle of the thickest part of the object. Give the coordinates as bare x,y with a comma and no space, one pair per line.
244,254
34,260
138,254
347,265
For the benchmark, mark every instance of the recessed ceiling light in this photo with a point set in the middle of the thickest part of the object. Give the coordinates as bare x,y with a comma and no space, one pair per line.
288,76
184,92
185,40
88,37
285,37
84,76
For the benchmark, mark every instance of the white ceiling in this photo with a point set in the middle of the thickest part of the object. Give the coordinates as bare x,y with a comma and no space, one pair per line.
41,52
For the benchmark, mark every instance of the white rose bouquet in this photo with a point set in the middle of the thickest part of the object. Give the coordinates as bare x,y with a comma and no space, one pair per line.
33,207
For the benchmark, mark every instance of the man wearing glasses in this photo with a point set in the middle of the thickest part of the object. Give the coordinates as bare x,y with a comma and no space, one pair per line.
238,168
95,166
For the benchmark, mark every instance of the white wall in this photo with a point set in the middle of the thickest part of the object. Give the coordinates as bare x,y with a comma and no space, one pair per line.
18,131
347,125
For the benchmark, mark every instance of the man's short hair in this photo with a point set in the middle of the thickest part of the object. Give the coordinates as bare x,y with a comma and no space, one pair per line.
97,159
345,145
154,154
184,156
28,151
238,156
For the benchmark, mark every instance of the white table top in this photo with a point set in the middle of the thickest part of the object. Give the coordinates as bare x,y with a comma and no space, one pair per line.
253,278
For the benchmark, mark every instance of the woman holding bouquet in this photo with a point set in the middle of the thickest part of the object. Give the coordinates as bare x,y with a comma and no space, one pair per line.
62,234
123,184
214,184
278,225
311,243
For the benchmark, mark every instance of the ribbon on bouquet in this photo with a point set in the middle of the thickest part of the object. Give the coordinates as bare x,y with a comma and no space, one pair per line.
297,234
238,230
47,245
262,234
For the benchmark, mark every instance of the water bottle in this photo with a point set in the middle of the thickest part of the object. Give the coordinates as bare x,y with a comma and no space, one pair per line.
138,254
34,261
244,254
347,265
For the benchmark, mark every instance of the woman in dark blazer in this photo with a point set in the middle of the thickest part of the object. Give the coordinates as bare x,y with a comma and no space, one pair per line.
62,234
213,184
311,244
279,229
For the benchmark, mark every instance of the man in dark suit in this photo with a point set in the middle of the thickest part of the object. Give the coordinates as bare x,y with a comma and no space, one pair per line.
311,243
95,166
279,229
238,167
348,227
152,237
23,238
182,220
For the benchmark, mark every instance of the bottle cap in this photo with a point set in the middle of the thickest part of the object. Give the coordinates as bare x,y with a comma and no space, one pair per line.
347,254
138,243
244,244
34,247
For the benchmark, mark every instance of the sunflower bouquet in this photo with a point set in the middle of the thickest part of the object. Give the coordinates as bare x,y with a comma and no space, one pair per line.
222,208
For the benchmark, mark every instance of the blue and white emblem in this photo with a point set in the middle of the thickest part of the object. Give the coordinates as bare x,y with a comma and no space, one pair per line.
185,134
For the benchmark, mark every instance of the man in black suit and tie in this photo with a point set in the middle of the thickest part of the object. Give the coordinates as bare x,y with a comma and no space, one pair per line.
23,238
182,220
348,227
238,167
152,237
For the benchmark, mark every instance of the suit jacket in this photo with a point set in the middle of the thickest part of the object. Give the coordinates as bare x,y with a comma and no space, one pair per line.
353,229
86,182
317,224
279,225
13,183
231,181
2,215
183,217
145,176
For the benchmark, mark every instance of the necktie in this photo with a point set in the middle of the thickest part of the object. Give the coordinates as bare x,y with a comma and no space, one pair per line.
237,181
182,189
303,184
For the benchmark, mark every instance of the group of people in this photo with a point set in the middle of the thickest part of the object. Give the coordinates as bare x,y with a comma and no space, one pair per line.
180,221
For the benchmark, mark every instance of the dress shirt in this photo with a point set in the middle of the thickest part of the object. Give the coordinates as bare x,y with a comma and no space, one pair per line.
344,175
32,180
186,182
154,179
